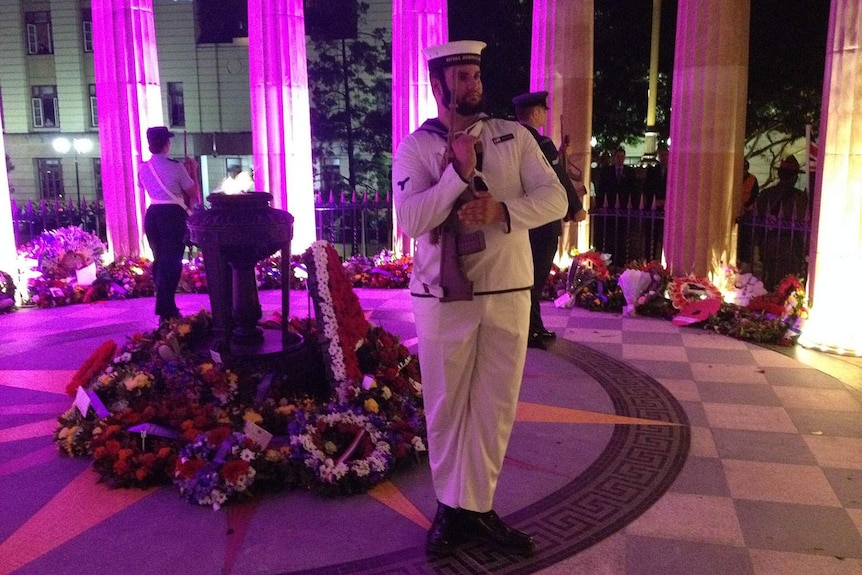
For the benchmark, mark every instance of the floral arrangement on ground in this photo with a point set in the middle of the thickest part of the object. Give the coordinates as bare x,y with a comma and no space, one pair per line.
159,409
49,266
747,311
739,307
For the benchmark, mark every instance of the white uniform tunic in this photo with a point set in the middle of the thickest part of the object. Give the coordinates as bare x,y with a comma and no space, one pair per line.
472,352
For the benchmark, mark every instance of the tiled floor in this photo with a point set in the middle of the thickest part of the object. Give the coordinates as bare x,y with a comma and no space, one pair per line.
640,448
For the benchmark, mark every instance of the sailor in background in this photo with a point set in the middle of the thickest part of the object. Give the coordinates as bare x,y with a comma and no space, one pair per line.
531,110
472,352
173,191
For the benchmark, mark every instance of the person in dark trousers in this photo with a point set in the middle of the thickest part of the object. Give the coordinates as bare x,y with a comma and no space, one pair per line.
616,188
782,207
172,193
531,110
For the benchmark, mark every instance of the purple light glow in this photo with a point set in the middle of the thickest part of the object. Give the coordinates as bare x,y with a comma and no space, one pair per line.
416,24
281,125
127,81
8,250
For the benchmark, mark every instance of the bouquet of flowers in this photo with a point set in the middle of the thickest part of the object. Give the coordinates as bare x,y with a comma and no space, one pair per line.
216,467
58,253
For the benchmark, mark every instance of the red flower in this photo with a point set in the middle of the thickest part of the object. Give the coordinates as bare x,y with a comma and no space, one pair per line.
234,469
217,436
94,364
188,469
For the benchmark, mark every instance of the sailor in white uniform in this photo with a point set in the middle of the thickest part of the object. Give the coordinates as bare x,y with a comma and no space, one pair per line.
472,351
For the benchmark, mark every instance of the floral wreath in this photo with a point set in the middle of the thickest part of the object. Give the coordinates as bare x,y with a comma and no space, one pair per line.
342,321
345,451
685,290
216,467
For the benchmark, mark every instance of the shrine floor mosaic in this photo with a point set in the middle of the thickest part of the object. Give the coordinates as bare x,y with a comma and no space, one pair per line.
639,448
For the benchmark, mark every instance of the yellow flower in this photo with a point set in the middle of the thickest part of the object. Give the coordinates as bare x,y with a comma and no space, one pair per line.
184,329
252,416
273,455
285,409
205,367
371,406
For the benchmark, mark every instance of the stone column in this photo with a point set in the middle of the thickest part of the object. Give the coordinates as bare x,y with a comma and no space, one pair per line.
127,81
416,24
280,120
836,247
707,130
562,64
8,250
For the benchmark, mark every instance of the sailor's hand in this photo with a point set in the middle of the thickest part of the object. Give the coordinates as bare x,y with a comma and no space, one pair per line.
464,155
482,210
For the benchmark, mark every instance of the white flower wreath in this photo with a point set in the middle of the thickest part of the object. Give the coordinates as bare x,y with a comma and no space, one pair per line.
327,311
332,468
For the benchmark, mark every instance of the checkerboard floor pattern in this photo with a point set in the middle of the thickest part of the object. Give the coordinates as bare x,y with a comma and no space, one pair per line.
773,481
772,484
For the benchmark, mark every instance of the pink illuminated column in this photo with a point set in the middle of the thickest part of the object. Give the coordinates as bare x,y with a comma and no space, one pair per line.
127,83
8,249
836,254
707,127
281,127
562,64
416,24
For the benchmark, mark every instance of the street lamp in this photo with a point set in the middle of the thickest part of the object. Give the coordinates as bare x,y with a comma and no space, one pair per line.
81,146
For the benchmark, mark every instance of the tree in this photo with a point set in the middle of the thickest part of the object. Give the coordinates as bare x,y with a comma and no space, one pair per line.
505,25
350,86
622,37
785,79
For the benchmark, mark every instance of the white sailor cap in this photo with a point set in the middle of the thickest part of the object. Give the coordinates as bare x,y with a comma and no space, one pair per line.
454,54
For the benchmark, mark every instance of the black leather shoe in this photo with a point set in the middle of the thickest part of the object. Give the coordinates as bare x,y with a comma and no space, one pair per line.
545,334
443,534
536,341
488,527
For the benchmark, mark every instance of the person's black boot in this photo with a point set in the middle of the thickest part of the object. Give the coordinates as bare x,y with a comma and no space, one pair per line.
443,534
488,527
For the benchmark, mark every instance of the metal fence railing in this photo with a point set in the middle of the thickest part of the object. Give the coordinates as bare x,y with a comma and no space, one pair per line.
361,224
31,219
769,247
355,224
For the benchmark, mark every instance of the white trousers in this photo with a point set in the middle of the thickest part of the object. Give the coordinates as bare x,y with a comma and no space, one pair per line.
472,359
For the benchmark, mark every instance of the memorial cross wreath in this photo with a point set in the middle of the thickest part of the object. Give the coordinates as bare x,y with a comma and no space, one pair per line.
344,451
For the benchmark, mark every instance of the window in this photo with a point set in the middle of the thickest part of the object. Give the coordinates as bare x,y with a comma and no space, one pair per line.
45,107
50,178
38,26
87,30
176,105
94,107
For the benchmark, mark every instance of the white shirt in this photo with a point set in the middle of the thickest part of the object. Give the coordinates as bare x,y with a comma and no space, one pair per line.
517,174
172,174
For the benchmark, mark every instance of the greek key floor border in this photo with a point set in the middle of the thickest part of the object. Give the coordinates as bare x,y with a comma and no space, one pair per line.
635,469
